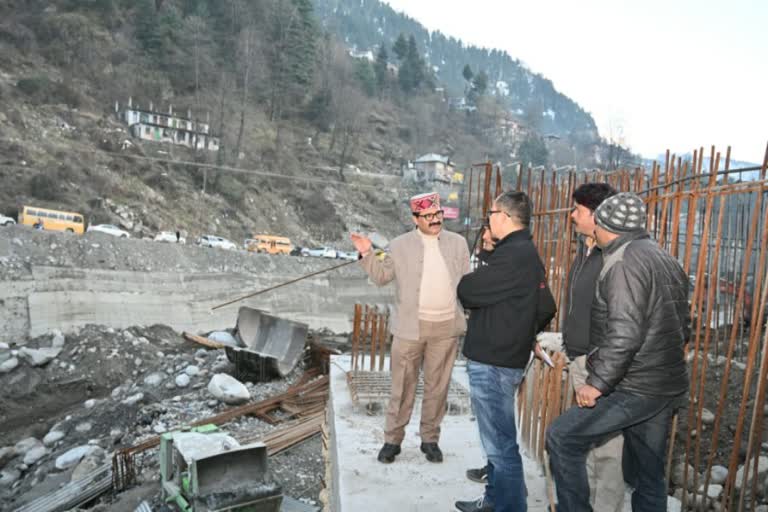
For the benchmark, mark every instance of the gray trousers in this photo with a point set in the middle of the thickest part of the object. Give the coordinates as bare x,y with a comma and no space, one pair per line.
606,479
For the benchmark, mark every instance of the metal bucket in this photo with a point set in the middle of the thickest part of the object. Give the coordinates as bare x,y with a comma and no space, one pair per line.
272,337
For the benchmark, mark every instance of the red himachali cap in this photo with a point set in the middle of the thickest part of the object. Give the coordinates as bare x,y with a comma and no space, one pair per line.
425,201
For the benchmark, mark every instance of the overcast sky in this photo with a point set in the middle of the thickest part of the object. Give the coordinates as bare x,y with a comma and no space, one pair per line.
672,75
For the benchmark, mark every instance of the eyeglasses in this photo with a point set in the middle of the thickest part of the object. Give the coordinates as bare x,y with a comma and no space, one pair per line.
430,216
491,212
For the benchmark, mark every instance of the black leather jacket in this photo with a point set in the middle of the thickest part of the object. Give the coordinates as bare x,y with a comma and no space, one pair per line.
640,320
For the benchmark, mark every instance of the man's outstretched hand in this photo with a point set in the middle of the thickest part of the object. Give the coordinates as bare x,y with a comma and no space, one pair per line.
362,243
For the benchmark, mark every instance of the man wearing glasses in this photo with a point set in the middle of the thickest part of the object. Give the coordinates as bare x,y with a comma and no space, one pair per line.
426,265
504,318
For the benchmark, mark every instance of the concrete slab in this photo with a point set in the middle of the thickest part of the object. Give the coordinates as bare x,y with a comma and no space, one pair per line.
411,483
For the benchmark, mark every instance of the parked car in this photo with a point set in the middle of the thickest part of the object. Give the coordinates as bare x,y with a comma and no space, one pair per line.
348,255
320,252
216,242
169,236
6,221
109,229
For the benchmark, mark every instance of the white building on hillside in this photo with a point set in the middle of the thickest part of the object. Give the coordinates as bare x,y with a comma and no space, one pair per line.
158,126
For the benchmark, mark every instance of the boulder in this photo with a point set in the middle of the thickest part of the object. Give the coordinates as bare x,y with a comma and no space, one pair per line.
39,356
133,399
718,475
73,456
9,365
228,389
53,437
223,337
23,446
7,453
154,379
35,454
192,370
9,477
762,472
707,417
678,473
182,380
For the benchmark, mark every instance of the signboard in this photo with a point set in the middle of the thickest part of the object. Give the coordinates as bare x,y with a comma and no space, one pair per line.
453,196
449,212
457,178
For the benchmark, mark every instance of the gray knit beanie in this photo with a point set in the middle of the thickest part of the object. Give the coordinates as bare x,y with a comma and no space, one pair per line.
621,213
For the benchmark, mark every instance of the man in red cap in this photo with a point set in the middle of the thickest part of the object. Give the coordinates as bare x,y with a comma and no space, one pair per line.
426,265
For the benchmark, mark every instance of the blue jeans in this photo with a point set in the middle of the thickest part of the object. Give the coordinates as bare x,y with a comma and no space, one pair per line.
493,390
645,422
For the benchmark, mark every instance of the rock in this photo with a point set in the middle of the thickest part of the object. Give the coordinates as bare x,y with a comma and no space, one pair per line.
9,477
88,464
762,472
761,508
192,370
23,446
223,337
707,417
160,428
228,389
201,353
39,356
73,456
718,475
154,379
674,504
134,399
58,339
9,365
83,427
35,454
678,473
182,380
714,490
90,404
6,454
53,437
212,403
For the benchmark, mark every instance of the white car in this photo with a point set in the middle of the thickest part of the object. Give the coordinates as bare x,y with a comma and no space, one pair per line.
6,221
216,241
169,236
320,252
351,256
109,229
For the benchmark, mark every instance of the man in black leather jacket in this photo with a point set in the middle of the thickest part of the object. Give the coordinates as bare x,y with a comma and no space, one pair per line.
637,371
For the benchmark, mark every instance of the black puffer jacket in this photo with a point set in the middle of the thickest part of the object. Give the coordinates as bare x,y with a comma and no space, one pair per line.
640,320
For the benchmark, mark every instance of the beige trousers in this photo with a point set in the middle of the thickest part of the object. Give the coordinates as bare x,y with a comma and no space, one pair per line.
435,352
606,479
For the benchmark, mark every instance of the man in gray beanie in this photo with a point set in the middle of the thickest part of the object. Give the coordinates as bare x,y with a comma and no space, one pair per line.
637,372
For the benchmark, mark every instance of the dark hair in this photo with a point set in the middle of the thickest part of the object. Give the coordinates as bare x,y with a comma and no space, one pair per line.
517,205
592,194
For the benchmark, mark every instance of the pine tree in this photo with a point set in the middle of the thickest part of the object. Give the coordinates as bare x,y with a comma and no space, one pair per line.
365,75
467,73
480,83
148,28
380,67
400,47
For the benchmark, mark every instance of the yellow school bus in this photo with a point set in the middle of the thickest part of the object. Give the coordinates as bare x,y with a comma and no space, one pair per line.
52,220
270,244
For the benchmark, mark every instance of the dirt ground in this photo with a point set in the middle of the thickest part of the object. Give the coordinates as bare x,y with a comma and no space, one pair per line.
112,388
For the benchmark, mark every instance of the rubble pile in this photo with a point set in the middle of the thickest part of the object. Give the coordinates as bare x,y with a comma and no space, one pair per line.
69,402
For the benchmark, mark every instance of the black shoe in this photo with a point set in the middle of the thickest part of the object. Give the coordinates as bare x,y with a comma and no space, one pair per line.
477,505
432,451
479,475
388,452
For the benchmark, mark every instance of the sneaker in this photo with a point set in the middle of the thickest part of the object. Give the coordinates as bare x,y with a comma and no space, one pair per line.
478,505
388,452
479,475
432,451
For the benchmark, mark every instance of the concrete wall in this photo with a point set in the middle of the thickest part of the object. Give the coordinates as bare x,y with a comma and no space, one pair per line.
66,298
